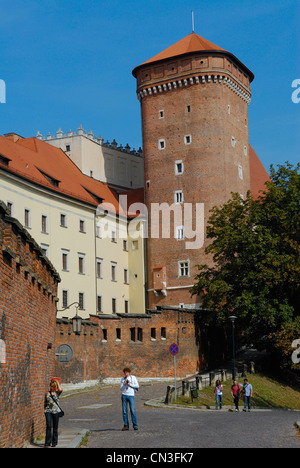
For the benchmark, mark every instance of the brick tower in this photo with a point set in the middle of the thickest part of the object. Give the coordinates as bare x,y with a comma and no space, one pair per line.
194,102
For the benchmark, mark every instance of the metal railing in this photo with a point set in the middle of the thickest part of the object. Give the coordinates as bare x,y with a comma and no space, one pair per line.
207,379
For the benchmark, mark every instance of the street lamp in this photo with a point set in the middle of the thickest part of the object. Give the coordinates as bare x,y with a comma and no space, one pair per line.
233,318
77,320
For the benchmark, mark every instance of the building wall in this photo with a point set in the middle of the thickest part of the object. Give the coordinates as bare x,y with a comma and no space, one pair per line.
28,289
70,240
116,248
58,239
103,161
107,344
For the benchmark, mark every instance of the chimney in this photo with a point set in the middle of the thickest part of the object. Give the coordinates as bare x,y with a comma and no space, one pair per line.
13,137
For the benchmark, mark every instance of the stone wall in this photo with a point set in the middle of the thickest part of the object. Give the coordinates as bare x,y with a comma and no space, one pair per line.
28,288
108,343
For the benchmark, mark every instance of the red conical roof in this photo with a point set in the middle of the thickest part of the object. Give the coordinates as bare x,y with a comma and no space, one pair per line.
188,45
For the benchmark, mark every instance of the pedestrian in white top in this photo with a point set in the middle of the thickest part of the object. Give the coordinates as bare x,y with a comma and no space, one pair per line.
129,385
218,393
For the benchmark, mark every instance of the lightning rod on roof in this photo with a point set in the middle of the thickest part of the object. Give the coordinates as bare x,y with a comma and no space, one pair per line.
193,22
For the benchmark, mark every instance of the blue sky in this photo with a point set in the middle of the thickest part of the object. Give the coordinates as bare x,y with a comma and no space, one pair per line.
67,63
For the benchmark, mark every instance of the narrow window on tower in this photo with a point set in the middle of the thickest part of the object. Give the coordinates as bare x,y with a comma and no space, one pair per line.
161,144
180,233
187,139
178,196
161,114
188,108
178,167
241,172
233,141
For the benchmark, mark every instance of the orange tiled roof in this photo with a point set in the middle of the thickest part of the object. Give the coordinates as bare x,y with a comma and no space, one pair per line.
47,166
190,44
258,174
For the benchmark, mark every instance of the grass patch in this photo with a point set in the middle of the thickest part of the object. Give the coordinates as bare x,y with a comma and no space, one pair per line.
267,393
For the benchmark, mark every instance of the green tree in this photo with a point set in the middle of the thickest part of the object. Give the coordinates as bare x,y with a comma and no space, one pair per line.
255,252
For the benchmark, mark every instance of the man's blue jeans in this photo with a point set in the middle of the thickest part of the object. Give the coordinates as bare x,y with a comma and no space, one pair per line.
125,400
247,402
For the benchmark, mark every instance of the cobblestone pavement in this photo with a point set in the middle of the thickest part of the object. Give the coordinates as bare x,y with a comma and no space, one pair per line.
99,412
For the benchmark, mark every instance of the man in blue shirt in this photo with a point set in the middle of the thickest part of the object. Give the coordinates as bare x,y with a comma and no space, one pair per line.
247,393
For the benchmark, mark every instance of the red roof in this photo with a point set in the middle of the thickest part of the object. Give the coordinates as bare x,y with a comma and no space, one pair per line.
50,167
258,174
191,44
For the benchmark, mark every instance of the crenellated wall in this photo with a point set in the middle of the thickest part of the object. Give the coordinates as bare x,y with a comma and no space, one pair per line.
28,289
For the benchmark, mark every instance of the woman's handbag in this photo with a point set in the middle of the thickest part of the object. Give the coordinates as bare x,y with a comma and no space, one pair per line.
61,413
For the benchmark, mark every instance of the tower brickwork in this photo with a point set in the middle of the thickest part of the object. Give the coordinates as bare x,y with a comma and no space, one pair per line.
194,104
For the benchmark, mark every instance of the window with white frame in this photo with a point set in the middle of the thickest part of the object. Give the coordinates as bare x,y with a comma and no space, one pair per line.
99,303
178,196
81,225
183,268
161,114
233,141
81,264
10,207
113,271
240,172
188,139
178,167
44,224
180,233
113,236
81,300
27,218
114,305
65,298
126,276
161,144
98,230
65,259
99,268
245,150
63,220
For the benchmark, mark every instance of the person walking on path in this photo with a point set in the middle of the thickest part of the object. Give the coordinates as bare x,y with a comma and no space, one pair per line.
235,393
129,385
52,413
218,394
247,394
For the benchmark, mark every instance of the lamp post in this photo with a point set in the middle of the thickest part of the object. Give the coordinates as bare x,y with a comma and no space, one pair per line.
233,318
77,320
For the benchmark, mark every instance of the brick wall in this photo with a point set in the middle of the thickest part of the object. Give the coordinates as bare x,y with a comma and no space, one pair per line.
109,343
28,288
215,118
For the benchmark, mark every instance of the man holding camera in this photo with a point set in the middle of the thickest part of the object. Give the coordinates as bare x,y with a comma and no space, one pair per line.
129,385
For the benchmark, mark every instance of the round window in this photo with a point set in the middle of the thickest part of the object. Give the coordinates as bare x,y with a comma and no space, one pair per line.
64,353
